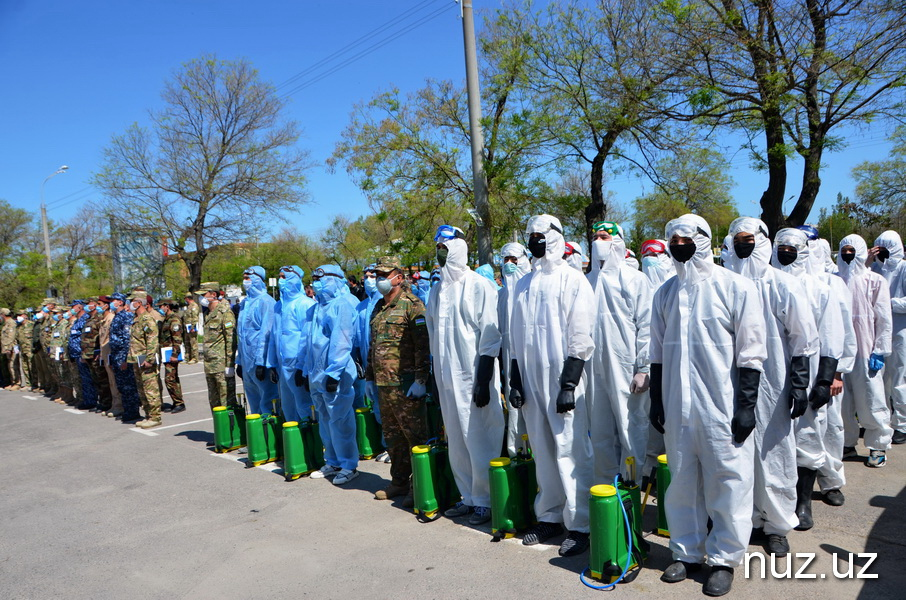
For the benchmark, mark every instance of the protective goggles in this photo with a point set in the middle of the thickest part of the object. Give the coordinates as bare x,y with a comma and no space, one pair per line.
445,233
570,250
415,276
809,231
653,246
608,226
290,270
251,273
319,273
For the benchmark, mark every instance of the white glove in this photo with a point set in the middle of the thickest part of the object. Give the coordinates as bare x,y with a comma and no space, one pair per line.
417,390
640,383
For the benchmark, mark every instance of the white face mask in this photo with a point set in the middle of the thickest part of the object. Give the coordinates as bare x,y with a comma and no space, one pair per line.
204,301
20,319
602,248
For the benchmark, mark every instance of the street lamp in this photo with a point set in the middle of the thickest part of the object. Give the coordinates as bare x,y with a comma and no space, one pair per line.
62,169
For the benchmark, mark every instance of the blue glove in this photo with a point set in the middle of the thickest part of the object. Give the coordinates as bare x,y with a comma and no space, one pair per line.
875,362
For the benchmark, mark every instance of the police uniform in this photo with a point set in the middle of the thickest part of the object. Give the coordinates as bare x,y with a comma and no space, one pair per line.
123,370
171,334
91,354
397,357
219,344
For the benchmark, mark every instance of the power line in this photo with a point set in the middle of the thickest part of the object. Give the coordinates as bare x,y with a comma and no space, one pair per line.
359,41
366,51
84,189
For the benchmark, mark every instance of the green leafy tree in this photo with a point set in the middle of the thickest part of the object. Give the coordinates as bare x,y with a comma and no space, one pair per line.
881,186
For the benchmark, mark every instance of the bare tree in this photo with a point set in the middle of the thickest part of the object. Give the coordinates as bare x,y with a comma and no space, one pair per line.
214,162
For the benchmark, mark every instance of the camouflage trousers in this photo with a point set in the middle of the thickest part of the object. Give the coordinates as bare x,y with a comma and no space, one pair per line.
46,377
127,385
12,369
174,387
117,400
89,392
405,424
27,373
190,341
147,380
62,369
217,389
101,383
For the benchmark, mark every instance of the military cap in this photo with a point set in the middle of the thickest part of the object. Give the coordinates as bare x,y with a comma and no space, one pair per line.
138,295
4,311
56,309
93,299
21,311
168,302
105,299
208,286
118,296
386,264
74,302
47,301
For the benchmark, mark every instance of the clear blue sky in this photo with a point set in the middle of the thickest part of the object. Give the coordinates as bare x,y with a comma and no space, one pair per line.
75,73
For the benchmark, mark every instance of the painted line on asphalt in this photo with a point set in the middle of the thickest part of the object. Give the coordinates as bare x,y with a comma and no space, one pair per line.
30,397
186,423
74,411
143,432
486,533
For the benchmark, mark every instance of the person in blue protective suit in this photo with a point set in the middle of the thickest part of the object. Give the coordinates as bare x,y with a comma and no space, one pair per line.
286,342
423,289
329,372
253,328
364,387
487,271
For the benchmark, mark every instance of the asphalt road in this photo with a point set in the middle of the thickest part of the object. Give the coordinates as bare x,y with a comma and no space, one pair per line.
92,508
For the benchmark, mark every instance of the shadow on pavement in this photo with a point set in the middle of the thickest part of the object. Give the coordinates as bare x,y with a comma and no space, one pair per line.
197,436
887,539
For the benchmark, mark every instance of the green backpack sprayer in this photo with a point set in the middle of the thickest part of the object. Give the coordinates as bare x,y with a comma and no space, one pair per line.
513,490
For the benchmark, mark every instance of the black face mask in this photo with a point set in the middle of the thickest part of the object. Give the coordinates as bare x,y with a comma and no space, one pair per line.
682,252
848,257
537,246
787,257
744,249
442,256
883,254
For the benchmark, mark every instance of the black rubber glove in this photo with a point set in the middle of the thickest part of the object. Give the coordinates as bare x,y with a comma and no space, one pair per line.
517,397
301,380
331,384
481,394
272,374
799,381
746,396
820,396
569,379
260,372
656,392
239,371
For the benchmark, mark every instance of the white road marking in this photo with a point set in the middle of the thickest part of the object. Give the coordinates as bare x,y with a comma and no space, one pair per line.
512,540
186,423
143,432
74,411
30,397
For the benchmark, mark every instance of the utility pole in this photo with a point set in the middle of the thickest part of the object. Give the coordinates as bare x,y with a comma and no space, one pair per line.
482,213
62,169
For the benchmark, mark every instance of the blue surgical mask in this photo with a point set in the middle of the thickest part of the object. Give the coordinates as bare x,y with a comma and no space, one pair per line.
370,285
317,286
650,262
161,311
56,317
246,284
509,268
45,309
100,309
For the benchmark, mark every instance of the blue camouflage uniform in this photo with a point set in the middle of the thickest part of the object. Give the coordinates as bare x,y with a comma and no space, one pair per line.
120,335
74,350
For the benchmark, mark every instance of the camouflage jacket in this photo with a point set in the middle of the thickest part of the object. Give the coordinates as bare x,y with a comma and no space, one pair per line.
8,335
121,337
171,331
46,327
219,338
91,336
190,316
399,341
144,339
25,337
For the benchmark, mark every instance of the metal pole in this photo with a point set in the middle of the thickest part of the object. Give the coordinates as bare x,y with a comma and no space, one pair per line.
479,180
62,169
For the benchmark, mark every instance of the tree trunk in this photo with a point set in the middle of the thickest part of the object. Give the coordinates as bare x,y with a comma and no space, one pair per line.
194,263
597,208
772,198
811,182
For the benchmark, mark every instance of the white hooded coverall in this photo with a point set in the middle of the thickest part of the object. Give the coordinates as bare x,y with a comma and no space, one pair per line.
894,271
515,422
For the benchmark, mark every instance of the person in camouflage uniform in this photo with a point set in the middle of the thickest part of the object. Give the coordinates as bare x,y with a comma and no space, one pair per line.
190,319
123,371
72,365
398,364
8,347
25,339
219,343
89,396
91,355
59,341
116,400
44,327
171,334
143,349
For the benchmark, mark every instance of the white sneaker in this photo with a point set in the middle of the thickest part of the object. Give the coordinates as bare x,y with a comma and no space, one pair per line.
345,476
325,471
382,457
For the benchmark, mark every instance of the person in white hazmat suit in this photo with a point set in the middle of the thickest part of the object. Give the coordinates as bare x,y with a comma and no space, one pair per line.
573,256
617,391
791,336
863,389
831,475
514,266
551,339
886,259
658,268
791,255
707,350
465,342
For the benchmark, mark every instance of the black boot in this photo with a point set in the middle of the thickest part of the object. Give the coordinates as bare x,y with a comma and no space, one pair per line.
804,486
